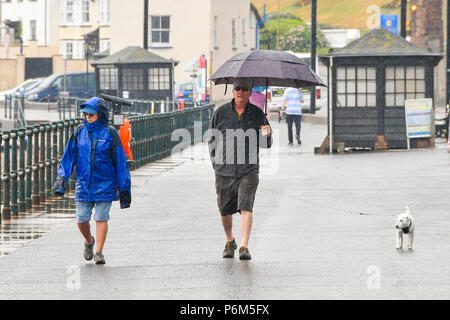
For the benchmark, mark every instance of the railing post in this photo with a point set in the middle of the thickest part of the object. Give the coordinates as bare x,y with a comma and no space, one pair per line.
13,175
29,168
6,213
71,130
35,191
48,161
42,164
1,183
54,151
21,172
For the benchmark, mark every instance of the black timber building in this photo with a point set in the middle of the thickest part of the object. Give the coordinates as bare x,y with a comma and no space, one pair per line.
135,73
371,79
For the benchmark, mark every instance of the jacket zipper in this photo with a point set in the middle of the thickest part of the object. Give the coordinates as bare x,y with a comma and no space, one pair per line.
93,145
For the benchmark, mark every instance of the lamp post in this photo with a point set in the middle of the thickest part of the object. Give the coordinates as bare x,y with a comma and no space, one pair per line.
403,19
91,45
313,52
448,52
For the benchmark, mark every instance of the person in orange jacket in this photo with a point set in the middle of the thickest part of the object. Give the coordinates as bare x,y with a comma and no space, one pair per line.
125,137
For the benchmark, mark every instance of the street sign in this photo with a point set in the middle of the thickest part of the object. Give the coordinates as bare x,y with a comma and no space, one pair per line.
418,118
389,22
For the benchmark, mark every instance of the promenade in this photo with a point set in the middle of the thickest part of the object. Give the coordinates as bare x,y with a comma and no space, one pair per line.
323,229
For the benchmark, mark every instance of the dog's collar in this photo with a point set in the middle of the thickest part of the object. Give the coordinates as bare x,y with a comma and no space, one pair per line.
410,223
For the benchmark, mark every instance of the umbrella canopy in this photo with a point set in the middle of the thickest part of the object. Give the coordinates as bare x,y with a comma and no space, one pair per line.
267,68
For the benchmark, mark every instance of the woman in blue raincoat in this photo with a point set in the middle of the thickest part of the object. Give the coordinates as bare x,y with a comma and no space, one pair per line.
102,174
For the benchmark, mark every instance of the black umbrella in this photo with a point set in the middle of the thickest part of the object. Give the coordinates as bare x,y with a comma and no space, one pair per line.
267,68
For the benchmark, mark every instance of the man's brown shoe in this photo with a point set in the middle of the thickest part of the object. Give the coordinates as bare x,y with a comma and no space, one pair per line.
244,254
230,246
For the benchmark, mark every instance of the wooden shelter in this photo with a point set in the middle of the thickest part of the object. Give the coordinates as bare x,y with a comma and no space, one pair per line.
369,80
135,73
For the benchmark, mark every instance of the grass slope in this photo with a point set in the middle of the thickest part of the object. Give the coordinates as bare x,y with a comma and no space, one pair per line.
340,14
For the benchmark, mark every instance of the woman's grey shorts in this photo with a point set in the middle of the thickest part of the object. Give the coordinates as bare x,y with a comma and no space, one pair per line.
234,195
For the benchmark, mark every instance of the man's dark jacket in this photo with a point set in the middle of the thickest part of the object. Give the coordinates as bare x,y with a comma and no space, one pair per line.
232,164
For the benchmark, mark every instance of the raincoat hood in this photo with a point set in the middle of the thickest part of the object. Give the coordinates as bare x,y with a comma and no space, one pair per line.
99,105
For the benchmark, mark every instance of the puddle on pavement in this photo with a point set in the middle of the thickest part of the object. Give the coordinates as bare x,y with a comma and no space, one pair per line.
25,227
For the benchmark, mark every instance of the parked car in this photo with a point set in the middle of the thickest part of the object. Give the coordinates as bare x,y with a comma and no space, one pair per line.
184,91
25,91
21,88
49,88
275,98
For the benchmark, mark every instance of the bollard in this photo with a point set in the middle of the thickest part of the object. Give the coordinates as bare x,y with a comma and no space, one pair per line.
6,212
35,168
13,174
21,172
29,167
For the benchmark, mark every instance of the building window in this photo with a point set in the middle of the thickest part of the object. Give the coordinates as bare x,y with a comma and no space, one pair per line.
404,83
252,20
104,9
67,12
105,44
85,11
32,29
356,87
244,32
215,40
69,50
159,79
133,79
108,78
73,49
160,29
233,33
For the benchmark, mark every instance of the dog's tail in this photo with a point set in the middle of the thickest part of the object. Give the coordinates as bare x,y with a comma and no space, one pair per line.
407,209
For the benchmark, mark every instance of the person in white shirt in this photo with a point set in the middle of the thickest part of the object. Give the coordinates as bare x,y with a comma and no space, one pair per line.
292,106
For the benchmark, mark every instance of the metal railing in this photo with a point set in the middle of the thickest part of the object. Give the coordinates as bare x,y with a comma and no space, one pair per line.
152,133
29,157
68,107
14,109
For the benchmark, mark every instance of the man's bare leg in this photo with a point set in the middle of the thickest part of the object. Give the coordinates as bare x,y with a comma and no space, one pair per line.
246,227
227,222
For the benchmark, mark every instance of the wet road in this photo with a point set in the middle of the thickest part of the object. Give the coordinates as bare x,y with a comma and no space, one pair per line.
309,238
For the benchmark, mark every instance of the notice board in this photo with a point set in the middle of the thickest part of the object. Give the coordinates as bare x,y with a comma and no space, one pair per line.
418,118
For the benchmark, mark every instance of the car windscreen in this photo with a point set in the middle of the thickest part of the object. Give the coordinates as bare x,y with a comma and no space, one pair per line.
186,87
47,81
30,84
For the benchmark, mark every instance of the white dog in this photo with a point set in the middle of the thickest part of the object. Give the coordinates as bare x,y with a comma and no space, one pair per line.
405,225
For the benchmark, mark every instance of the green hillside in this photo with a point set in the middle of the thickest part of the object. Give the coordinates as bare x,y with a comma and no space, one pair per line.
340,14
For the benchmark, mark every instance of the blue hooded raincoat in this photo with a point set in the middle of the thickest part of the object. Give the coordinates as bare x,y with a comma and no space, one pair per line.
97,153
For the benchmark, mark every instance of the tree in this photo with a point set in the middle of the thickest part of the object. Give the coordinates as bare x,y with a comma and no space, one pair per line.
295,34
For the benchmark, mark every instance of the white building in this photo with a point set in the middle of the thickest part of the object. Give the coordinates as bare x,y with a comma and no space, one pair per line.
79,17
339,38
185,30
37,19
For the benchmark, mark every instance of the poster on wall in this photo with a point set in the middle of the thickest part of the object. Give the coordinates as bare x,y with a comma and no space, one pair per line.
418,118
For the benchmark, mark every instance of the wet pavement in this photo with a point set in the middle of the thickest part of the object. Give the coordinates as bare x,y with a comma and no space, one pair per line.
323,229
24,227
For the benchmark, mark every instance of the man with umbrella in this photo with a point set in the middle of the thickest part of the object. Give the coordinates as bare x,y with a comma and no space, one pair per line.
237,168
238,129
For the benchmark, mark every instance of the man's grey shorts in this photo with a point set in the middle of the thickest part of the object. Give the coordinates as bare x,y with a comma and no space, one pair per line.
234,195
